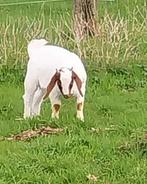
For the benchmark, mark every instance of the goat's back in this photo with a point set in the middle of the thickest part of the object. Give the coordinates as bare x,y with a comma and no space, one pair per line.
45,59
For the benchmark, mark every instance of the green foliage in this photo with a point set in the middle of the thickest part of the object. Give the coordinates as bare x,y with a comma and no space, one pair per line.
112,143
12,75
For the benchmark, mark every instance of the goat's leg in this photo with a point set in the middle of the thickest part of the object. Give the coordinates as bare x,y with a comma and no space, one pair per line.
55,104
30,86
28,99
37,101
80,106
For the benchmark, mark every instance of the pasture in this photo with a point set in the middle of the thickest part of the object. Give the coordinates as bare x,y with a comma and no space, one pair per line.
110,147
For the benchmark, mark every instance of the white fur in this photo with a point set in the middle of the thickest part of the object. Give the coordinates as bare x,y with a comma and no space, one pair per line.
44,60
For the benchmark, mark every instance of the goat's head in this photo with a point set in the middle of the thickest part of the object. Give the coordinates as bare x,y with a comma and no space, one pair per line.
65,78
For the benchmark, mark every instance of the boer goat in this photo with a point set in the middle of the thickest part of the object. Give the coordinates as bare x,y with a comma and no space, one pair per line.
52,72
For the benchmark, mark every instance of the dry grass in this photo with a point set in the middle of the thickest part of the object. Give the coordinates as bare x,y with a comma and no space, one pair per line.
120,41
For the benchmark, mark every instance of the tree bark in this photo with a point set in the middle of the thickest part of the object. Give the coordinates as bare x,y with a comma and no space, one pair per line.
85,13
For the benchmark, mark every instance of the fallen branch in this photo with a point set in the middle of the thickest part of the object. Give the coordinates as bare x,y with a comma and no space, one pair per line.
28,134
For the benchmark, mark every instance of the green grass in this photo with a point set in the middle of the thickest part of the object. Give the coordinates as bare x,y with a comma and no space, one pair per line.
111,143
115,153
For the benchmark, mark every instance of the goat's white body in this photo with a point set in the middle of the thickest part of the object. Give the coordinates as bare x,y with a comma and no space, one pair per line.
44,60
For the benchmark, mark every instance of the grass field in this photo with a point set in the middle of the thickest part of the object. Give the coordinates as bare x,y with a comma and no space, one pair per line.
112,142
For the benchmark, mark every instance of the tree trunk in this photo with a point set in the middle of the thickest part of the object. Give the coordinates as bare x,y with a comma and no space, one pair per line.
85,13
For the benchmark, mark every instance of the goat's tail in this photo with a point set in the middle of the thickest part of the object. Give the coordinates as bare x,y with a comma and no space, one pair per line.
35,44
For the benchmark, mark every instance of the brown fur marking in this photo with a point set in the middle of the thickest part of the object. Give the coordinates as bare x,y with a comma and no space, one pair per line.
78,82
56,107
52,83
79,106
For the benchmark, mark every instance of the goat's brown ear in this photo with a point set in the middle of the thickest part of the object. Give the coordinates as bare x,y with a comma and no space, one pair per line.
78,82
52,83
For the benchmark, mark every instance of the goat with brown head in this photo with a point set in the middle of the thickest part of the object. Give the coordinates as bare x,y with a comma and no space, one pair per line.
69,84
64,78
53,72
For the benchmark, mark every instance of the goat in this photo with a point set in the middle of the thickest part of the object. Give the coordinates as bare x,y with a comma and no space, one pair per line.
52,71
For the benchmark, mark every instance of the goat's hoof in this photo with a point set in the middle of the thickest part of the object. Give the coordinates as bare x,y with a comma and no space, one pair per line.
80,118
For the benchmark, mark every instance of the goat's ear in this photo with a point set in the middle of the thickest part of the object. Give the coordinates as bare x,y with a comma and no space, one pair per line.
78,82
52,83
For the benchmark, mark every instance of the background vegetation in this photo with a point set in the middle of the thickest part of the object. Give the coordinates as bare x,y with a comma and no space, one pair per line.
112,143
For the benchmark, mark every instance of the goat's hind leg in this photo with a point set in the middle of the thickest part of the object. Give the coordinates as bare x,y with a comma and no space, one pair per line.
37,100
30,89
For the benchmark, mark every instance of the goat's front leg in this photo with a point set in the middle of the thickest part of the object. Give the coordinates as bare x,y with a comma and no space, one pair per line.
55,104
80,106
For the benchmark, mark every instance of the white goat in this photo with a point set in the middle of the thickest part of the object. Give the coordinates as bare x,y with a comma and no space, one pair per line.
52,71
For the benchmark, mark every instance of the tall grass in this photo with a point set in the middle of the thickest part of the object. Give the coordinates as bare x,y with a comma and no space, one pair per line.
122,39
